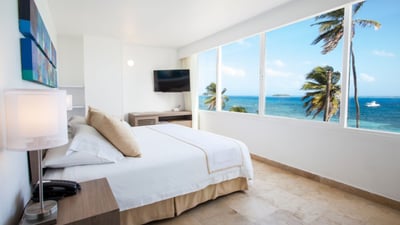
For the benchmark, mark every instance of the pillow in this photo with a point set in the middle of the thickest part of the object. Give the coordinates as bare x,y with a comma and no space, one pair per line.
73,121
88,140
57,158
115,131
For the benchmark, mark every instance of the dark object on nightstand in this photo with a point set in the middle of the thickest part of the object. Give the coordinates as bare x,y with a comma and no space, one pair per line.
56,189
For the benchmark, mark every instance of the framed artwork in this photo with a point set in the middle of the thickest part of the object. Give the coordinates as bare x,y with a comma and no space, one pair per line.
35,65
40,48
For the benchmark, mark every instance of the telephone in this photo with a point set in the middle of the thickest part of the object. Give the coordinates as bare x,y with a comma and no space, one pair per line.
56,189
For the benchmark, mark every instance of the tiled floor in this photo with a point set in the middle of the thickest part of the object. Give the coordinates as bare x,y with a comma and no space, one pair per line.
278,197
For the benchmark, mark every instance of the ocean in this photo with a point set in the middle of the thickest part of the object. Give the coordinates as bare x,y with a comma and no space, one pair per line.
385,117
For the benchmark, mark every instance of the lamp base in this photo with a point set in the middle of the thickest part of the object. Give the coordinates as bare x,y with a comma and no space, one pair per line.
33,214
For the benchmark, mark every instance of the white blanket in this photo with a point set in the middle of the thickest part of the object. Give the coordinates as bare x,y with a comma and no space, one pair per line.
221,152
168,168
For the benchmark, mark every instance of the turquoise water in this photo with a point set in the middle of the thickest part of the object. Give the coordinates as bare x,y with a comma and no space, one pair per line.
386,117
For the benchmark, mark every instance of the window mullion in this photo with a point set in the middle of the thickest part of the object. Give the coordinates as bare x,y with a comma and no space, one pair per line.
218,100
261,94
347,26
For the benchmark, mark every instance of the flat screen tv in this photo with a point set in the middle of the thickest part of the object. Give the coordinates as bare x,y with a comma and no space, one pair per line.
172,80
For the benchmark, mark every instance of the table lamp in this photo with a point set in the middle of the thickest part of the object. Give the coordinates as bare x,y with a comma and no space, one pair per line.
36,120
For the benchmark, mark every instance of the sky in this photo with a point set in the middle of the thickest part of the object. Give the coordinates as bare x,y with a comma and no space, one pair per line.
290,56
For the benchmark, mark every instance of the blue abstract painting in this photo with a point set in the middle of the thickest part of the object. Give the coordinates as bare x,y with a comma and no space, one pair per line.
31,25
35,65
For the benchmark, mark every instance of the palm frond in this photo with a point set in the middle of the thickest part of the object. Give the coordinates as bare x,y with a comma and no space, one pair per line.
368,23
327,25
330,38
317,112
357,7
311,86
315,99
331,15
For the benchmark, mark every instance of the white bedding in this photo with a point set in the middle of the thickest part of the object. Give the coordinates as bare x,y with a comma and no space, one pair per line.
168,167
221,152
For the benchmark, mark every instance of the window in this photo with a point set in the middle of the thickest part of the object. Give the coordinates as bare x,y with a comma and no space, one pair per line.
376,53
240,76
290,56
207,64
303,77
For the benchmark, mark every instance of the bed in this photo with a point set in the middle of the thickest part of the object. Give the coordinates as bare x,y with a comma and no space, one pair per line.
178,168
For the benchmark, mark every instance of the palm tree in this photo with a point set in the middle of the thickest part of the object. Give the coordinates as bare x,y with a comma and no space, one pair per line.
324,92
211,101
240,109
331,31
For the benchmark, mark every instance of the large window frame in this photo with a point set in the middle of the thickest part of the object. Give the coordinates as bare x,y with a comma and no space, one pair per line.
345,73
262,68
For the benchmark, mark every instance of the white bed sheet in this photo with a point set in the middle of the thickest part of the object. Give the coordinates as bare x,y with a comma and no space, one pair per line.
221,152
168,168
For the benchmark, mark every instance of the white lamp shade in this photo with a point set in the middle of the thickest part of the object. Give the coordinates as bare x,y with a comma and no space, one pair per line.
35,119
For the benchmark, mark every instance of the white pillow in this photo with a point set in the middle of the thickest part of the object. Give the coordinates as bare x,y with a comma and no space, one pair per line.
74,121
88,140
57,158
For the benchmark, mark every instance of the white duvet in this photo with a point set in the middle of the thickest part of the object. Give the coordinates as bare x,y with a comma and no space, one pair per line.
170,166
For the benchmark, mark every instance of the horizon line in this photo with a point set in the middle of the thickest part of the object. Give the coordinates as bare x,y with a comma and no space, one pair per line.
283,96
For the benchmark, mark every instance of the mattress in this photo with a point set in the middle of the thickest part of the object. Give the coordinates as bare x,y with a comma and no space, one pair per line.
169,167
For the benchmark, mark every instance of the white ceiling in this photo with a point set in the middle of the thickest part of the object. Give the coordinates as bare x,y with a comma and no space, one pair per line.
166,23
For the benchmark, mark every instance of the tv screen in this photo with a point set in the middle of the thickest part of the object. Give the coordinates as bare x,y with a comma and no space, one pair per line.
171,80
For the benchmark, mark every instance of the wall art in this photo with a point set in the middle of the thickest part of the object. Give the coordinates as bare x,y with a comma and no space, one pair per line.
35,65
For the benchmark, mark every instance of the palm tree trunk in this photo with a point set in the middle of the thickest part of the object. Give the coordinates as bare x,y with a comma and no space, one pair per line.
327,95
357,104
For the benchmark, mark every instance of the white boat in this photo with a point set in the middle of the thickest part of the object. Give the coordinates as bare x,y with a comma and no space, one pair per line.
372,104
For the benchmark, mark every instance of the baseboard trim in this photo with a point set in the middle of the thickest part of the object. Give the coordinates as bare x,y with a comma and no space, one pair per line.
332,183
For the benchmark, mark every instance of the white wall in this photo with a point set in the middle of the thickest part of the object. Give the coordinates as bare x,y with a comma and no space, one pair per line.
139,95
114,87
363,159
15,189
103,74
70,61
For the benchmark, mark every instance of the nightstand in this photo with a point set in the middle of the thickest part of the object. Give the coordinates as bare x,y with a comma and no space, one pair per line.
93,205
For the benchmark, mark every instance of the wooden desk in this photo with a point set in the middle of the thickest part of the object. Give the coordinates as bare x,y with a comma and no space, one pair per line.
152,118
93,205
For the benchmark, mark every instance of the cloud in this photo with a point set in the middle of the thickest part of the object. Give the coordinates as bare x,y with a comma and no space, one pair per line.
367,78
277,73
276,63
230,71
285,85
307,62
279,63
243,43
383,53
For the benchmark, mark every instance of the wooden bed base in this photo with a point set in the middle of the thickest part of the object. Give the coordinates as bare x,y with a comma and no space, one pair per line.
175,206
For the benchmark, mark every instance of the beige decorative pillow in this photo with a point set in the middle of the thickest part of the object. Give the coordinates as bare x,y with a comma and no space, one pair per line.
115,131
